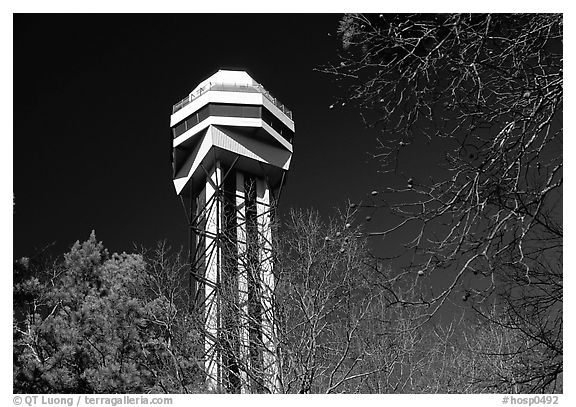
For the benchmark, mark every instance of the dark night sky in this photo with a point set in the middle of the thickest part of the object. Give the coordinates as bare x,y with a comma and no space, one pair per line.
92,102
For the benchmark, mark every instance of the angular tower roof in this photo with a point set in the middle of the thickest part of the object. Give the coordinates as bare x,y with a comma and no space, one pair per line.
230,117
226,77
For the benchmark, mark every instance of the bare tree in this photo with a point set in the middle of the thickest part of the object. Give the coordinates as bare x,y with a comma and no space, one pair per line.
508,359
173,360
486,90
336,327
324,301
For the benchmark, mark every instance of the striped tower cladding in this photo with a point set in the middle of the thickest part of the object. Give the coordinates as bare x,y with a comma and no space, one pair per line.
232,146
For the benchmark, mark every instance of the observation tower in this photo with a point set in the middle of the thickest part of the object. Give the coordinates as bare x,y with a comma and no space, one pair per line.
232,146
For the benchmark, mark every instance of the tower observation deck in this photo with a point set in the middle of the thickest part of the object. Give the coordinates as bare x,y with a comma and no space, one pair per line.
232,146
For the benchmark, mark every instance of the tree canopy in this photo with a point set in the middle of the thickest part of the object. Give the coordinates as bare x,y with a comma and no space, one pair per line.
484,222
92,322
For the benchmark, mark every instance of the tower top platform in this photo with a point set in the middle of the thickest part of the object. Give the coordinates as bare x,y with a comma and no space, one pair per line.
227,77
231,81
230,119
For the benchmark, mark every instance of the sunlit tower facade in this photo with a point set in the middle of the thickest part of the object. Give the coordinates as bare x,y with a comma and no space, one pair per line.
232,146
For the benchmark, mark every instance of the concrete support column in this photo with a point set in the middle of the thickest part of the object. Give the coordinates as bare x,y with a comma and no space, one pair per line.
263,207
212,275
241,242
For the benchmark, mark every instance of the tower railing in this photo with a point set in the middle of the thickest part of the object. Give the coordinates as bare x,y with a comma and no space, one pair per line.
228,87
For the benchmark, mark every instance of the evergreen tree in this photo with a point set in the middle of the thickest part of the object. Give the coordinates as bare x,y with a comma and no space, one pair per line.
93,323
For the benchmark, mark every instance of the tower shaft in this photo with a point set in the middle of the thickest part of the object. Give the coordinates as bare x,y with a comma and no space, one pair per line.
235,281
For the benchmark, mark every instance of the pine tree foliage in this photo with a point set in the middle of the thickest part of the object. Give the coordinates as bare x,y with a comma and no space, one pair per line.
97,323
